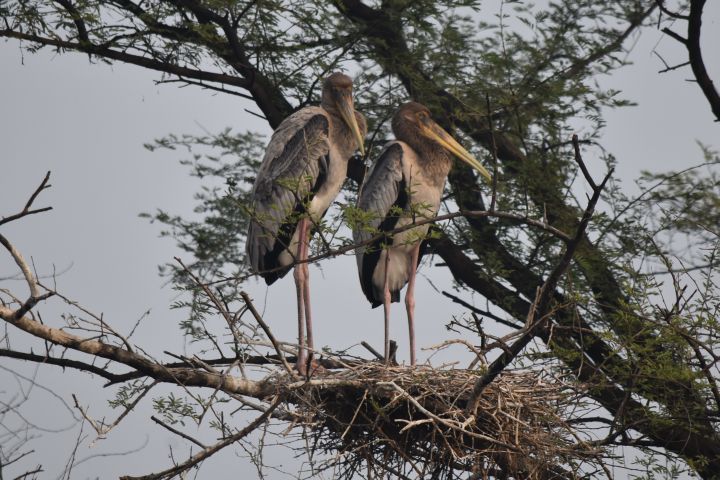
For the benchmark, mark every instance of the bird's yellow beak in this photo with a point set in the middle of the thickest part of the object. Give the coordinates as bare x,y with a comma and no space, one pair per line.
433,131
347,112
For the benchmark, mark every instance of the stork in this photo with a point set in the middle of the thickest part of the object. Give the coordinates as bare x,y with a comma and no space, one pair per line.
405,184
304,167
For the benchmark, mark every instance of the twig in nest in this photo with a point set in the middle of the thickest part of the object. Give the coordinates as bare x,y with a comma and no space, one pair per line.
268,332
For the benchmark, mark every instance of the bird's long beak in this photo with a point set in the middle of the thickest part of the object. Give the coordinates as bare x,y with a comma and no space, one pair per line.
347,112
432,130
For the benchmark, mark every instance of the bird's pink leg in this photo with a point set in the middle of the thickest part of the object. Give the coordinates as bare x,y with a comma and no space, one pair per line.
299,274
306,290
386,306
410,301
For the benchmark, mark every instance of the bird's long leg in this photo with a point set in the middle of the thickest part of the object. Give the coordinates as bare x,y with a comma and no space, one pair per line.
386,306
306,289
410,301
299,274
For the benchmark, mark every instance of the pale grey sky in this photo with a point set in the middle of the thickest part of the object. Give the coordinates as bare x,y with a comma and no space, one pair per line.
87,123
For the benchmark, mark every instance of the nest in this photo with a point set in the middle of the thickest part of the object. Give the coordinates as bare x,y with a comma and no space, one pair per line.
372,420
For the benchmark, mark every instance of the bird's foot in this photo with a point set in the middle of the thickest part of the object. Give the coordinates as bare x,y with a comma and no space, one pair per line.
308,368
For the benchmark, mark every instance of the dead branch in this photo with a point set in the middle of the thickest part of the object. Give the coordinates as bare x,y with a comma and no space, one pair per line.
177,432
26,210
182,376
208,452
268,332
692,44
61,362
696,59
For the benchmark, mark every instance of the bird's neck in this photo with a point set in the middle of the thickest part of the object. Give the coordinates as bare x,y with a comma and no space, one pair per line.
434,160
340,134
439,167
327,103
334,114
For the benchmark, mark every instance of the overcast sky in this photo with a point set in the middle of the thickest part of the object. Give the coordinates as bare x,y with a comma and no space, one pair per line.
87,124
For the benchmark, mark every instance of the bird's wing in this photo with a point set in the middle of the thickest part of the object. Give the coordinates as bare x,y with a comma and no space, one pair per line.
294,164
383,198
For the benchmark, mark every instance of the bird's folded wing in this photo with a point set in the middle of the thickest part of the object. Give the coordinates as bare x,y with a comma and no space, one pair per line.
294,162
382,200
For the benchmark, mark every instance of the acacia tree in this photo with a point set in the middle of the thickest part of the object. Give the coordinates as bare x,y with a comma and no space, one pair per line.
583,286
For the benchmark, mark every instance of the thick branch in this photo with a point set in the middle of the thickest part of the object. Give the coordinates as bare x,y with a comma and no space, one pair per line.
696,60
181,376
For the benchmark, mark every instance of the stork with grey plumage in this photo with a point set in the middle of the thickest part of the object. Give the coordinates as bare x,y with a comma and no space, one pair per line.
405,185
303,170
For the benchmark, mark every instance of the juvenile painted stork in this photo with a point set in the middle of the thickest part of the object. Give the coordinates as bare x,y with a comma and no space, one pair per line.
304,167
405,184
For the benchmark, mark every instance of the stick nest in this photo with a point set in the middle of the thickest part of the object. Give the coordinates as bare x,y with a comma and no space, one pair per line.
412,423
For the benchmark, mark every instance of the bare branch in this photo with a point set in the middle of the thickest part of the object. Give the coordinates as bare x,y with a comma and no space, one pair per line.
61,362
177,432
696,60
29,473
208,452
32,284
370,349
268,332
26,210
581,163
668,12
181,376
675,36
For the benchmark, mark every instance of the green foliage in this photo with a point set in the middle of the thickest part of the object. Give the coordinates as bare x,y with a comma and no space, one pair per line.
225,163
127,393
175,410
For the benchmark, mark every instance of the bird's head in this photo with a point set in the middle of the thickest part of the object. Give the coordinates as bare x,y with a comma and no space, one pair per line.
337,94
413,119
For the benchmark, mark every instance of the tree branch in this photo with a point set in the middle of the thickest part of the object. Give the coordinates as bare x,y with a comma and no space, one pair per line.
210,451
540,310
26,209
179,376
130,58
61,362
696,60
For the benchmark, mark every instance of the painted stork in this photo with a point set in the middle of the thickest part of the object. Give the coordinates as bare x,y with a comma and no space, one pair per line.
405,184
304,167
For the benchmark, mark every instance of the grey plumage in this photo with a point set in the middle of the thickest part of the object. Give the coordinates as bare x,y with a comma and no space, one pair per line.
304,168
384,190
294,164
405,185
